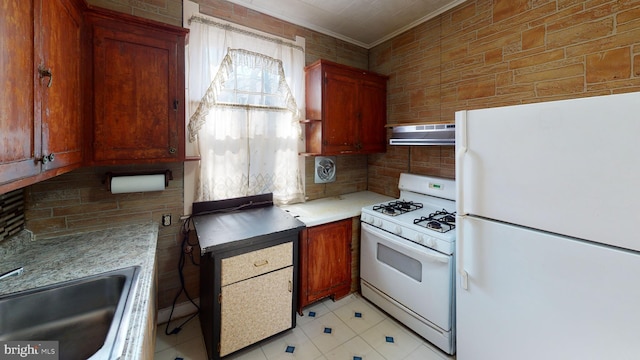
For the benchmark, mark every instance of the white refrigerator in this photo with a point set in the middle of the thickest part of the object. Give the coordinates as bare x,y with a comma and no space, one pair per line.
548,230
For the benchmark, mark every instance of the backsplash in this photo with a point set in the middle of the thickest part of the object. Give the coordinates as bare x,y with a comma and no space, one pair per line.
11,213
351,176
79,202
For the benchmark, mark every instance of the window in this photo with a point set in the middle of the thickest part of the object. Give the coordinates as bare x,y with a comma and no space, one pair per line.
253,83
246,119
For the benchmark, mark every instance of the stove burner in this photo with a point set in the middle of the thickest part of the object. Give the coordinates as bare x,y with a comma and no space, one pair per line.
441,221
397,207
386,209
449,218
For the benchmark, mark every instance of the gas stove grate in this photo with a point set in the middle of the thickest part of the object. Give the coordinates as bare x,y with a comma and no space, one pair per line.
398,207
440,221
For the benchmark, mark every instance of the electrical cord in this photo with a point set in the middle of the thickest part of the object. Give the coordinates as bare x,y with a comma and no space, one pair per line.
183,250
187,248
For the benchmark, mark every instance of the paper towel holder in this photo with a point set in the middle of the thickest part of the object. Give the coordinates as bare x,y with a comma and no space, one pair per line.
110,175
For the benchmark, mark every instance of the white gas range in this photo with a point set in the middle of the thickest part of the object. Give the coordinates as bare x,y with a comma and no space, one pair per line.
407,257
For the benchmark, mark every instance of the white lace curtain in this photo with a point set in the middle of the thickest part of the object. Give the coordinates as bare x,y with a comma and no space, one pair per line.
246,95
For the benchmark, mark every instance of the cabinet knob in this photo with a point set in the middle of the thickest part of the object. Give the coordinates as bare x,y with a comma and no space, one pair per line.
172,150
47,158
45,73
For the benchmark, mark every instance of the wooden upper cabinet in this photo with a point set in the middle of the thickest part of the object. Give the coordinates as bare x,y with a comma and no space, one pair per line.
61,92
138,90
373,113
346,110
40,115
81,83
340,113
18,140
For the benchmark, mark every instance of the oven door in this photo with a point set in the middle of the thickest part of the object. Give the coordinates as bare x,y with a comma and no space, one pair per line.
417,277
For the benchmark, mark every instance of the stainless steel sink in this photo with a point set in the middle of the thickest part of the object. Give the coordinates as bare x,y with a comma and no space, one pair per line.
88,317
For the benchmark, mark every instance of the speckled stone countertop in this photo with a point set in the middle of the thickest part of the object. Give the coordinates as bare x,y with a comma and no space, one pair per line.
75,256
334,208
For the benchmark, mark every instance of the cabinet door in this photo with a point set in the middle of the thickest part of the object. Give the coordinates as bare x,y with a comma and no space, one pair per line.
254,309
136,102
373,105
327,258
60,94
340,111
19,132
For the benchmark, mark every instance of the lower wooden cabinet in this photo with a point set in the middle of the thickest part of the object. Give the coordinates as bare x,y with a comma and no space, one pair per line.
325,262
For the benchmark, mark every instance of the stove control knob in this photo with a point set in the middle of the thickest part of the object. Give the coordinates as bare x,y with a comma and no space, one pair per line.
377,222
366,218
419,239
398,230
431,242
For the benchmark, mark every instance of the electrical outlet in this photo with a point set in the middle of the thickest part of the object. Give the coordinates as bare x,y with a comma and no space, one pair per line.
166,219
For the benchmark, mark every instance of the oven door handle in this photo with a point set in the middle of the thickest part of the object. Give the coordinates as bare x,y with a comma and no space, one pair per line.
407,245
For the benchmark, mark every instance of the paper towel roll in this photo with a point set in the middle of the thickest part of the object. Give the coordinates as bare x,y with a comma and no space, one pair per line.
138,183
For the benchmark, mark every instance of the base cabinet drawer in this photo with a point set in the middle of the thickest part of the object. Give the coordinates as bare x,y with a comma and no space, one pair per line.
254,263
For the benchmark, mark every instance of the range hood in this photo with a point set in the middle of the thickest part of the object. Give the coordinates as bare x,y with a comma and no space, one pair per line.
424,134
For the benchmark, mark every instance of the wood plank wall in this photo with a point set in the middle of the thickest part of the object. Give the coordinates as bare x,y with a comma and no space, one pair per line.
489,53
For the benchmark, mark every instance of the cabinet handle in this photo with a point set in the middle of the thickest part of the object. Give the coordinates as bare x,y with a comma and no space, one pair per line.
172,150
47,158
290,286
261,263
45,73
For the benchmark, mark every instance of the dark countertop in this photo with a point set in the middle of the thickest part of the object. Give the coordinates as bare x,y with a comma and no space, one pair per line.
223,230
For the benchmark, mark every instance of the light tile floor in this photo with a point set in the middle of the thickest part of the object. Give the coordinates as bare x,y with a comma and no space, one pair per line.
348,329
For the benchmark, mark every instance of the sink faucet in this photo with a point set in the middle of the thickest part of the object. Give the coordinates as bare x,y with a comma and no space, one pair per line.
14,272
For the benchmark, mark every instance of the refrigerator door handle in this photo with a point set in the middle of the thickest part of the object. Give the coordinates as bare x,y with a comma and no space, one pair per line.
464,276
461,150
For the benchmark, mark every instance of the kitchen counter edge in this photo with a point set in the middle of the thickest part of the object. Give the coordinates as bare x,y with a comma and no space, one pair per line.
334,208
70,257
